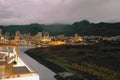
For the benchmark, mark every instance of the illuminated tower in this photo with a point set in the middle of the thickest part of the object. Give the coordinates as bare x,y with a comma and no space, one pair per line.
17,37
45,34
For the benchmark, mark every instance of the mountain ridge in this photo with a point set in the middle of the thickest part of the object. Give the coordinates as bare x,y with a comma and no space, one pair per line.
83,28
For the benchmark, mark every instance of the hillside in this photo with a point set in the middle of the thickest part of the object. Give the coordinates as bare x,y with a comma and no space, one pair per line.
56,29
102,29
32,28
82,28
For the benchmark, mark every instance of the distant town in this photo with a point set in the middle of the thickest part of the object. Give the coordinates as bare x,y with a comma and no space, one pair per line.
43,39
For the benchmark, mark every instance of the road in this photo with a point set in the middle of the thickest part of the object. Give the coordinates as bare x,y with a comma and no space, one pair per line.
44,72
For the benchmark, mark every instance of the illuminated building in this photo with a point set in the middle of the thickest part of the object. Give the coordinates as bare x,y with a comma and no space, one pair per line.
77,38
45,34
38,36
44,40
56,43
17,37
60,37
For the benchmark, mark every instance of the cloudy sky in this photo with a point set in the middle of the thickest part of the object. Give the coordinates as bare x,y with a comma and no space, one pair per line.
58,11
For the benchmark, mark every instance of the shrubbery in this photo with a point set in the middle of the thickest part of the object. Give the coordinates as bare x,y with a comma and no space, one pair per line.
100,72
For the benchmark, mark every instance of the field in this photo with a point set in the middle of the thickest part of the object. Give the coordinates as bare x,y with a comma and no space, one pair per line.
88,62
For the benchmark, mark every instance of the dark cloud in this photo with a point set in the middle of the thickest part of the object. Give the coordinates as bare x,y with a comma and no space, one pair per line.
58,11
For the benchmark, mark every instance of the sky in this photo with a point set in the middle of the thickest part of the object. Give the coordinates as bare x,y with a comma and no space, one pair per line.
58,11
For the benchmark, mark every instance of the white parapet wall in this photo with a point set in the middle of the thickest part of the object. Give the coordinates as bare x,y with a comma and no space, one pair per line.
32,77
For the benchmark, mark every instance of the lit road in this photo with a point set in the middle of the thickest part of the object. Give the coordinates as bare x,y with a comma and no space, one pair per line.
44,72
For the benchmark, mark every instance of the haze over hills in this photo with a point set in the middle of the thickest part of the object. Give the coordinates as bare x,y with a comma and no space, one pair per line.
82,28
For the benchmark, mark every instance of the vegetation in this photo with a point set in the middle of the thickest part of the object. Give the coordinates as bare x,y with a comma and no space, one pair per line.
24,29
100,72
91,62
82,28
